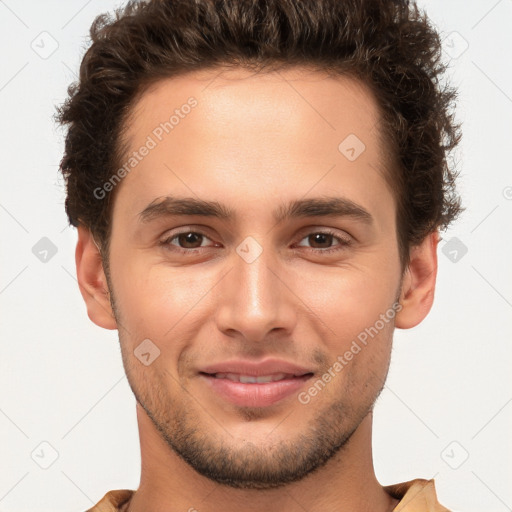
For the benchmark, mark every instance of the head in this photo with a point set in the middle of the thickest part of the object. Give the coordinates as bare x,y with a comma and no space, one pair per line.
255,180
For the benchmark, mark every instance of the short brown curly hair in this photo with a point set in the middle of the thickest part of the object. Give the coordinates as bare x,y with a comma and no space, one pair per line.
388,44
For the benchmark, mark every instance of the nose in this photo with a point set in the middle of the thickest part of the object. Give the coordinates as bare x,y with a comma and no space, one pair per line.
255,302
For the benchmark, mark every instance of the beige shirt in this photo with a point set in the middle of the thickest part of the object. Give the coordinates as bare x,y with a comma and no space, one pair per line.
416,495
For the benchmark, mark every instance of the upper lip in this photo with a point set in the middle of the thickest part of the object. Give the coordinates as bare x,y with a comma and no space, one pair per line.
256,369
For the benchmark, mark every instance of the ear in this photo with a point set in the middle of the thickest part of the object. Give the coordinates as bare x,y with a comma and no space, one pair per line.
419,282
92,281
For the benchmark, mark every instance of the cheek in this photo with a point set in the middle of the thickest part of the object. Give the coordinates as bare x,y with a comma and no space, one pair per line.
166,303
158,301
348,300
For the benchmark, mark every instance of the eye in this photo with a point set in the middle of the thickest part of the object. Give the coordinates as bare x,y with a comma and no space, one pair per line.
186,241
326,238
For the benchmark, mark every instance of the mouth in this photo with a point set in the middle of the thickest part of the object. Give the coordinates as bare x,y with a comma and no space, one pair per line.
255,390
252,379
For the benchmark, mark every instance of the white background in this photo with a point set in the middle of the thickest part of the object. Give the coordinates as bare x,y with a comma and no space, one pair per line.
449,390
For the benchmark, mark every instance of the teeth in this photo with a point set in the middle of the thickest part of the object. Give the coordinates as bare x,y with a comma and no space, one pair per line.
247,379
251,379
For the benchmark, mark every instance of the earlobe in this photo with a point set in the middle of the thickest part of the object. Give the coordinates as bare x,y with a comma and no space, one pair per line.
419,282
92,281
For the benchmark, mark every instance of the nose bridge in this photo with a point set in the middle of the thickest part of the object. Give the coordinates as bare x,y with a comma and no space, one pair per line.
253,299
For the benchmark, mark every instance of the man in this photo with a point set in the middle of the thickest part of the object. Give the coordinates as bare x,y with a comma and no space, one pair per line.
258,189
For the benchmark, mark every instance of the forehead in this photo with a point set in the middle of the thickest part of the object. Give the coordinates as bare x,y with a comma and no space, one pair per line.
257,136
257,102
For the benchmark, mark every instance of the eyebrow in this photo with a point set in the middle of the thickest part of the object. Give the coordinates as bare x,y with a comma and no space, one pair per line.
313,207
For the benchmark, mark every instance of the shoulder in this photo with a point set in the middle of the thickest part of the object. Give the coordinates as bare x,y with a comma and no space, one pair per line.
418,495
113,501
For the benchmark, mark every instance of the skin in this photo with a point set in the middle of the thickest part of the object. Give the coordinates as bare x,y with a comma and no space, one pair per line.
253,143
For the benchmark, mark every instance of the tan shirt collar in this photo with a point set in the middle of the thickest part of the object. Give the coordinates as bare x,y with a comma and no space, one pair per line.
416,495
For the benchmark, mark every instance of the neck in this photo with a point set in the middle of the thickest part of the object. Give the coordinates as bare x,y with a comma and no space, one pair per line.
346,483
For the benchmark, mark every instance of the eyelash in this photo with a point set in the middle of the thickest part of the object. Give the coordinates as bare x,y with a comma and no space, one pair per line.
342,242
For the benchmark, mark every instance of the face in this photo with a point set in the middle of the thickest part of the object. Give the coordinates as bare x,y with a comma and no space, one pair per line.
289,274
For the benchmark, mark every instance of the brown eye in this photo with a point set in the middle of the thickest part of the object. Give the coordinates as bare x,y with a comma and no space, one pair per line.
322,241
189,240
186,241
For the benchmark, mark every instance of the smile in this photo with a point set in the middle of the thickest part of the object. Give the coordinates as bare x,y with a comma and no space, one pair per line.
254,391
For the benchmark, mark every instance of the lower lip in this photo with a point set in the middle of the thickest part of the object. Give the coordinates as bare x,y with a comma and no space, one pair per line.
257,394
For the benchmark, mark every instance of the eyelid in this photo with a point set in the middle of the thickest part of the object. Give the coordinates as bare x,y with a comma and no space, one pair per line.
337,233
